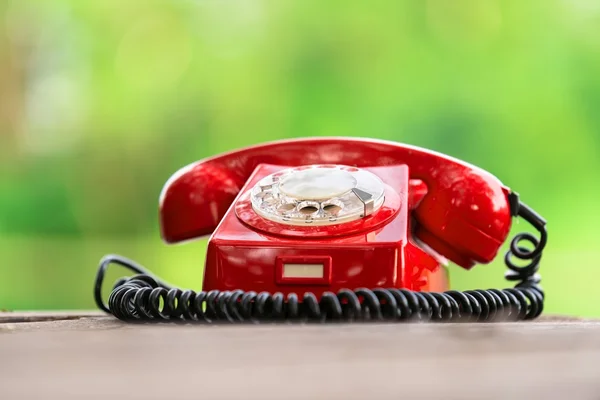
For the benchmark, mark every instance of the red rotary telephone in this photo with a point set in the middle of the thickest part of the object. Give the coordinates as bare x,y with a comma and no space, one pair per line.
335,229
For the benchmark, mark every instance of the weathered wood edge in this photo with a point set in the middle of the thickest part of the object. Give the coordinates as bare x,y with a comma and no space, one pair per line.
43,316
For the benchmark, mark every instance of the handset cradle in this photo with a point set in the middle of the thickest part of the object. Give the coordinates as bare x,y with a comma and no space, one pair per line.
335,229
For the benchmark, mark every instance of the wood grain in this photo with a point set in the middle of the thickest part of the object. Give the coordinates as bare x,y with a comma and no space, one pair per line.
91,356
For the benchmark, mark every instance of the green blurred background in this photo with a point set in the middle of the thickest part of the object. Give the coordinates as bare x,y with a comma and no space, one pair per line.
101,101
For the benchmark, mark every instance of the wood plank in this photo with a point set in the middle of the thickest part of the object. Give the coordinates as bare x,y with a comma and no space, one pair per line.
96,357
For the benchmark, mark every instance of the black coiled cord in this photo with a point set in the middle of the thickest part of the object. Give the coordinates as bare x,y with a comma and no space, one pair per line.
138,298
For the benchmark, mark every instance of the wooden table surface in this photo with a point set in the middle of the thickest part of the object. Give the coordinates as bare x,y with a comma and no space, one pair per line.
93,356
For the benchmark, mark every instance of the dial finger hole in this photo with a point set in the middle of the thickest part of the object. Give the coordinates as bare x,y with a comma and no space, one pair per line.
269,199
286,208
309,210
308,207
333,207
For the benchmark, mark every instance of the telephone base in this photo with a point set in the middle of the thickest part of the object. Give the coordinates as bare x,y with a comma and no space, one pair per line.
251,253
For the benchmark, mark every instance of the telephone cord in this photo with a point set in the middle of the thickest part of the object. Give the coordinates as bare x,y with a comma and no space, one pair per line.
144,298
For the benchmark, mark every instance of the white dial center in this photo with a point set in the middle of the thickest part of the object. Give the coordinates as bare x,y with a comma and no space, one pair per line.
317,183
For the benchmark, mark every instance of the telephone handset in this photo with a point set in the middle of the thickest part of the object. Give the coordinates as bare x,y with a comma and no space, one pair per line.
335,229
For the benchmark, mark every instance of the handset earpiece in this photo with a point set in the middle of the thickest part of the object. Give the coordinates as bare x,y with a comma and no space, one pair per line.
195,199
465,216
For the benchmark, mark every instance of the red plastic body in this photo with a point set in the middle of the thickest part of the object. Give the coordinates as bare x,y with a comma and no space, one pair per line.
445,207
248,252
